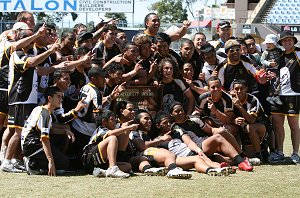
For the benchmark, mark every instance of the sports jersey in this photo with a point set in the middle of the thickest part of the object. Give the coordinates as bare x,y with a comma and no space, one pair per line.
59,116
290,73
99,135
105,53
241,71
36,127
5,54
43,81
86,122
254,108
173,91
208,69
224,105
23,80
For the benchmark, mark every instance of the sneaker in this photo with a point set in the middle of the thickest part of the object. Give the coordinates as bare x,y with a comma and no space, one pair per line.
276,158
115,172
218,171
295,158
254,161
9,167
2,154
28,169
277,100
161,171
245,166
19,164
98,172
178,173
270,100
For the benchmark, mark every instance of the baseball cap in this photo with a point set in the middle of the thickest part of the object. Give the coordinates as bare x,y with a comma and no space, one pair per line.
286,34
20,26
82,36
207,47
224,24
231,43
271,38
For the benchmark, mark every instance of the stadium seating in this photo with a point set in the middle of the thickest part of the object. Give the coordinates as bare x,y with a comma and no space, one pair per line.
284,12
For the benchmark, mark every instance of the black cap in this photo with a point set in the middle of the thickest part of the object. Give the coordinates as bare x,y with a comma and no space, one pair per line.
207,47
82,36
224,24
285,34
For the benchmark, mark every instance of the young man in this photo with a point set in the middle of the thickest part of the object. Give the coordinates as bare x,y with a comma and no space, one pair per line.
147,147
39,152
102,151
251,117
289,94
216,106
223,32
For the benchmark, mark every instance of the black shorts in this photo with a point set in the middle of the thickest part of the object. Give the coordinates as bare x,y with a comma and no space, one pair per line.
290,106
3,102
18,114
92,157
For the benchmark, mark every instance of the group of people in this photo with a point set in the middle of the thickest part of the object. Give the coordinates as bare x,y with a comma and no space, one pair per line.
220,105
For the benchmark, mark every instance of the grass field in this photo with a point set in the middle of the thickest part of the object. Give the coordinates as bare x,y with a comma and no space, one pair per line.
265,181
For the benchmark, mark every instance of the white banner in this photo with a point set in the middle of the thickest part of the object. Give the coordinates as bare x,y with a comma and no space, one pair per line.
67,5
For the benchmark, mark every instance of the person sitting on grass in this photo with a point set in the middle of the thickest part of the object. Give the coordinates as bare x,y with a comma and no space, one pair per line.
106,149
39,151
147,147
220,142
254,123
188,153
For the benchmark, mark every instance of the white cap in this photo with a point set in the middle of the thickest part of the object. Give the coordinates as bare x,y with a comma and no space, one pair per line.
20,26
271,38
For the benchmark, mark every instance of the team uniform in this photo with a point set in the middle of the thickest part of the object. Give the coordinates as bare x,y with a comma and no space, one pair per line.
224,105
43,81
5,53
241,71
254,108
193,127
23,88
38,127
85,125
149,152
200,84
78,80
104,53
289,68
92,156
208,69
171,92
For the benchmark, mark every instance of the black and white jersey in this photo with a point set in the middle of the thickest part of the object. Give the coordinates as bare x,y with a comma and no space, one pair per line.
86,122
104,53
5,54
100,134
36,127
290,73
253,107
59,115
224,105
208,69
43,81
171,92
241,71
23,80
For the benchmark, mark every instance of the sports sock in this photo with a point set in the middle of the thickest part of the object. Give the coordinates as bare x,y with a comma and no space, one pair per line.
209,168
172,166
238,159
146,167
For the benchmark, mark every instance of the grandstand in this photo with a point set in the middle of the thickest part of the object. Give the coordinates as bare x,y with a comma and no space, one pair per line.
265,16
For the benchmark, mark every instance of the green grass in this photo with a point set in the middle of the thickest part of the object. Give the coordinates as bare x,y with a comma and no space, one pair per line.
265,181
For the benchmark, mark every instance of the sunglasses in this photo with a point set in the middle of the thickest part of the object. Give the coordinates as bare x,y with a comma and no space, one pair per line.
234,50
